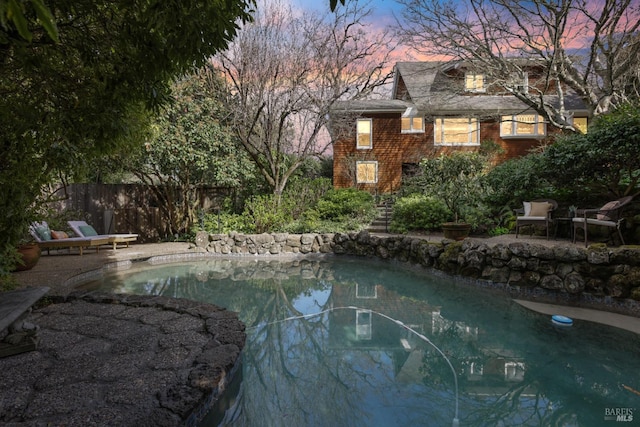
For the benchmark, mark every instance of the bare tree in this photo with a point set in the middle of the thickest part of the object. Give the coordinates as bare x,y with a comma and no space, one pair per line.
590,49
286,69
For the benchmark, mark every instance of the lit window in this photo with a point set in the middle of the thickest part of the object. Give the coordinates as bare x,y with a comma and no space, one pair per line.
457,131
412,124
367,172
364,133
522,125
474,82
580,123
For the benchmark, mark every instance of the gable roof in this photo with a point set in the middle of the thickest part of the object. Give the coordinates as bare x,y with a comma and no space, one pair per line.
426,87
416,77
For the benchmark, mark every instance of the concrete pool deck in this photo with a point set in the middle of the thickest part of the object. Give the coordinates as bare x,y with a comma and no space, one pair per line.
98,354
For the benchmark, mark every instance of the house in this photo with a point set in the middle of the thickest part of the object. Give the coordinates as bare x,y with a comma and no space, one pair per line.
436,107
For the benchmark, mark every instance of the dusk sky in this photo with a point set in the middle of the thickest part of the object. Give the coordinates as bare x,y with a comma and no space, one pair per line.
383,10
384,14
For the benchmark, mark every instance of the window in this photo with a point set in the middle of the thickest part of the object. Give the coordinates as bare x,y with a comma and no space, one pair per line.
412,124
367,291
580,123
522,125
457,131
364,134
474,82
367,172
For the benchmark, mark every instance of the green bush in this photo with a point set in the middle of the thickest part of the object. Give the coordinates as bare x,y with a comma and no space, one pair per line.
498,231
418,212
263,214
345,204
309,206
307,225
603,163
516,180
221,223
303,194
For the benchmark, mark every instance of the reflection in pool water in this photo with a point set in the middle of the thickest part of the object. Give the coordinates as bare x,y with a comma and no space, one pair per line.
349,366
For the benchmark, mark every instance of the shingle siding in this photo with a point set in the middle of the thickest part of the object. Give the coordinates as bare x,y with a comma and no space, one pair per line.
433,93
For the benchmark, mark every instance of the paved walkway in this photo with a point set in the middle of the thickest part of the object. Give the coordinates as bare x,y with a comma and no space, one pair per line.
106,360
59,268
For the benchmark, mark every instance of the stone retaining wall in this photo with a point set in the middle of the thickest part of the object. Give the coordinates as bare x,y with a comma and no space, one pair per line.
265,244
596,276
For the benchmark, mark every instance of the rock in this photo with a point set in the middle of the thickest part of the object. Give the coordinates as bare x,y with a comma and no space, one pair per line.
552,282
574,283
202,239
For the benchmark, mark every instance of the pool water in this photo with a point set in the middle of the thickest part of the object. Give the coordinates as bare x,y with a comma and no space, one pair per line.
343,341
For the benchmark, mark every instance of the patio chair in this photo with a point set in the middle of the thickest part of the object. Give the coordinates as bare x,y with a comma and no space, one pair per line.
48,240
536,213
609,215
81,228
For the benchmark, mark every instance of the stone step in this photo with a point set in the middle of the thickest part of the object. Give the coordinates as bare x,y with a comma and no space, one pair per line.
17,335
14,303
381,222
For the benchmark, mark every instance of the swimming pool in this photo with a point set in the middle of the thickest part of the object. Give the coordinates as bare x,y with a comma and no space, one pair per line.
345,341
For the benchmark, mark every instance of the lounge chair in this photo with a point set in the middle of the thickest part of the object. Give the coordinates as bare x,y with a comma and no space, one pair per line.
536,213
43,236
81,228
609,215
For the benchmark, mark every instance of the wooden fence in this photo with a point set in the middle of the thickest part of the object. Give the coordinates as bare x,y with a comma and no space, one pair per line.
127,208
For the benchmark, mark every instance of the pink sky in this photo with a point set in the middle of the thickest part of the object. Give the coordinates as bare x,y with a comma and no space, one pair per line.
384,11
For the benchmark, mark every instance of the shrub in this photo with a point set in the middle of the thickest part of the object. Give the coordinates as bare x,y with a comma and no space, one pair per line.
498,231
345,204
517,179
223,223
307,225
307,207
605,162
303,194
455,179
263,214
418,212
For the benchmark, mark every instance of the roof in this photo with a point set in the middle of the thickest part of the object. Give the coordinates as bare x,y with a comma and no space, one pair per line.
418,78
426,86
372,106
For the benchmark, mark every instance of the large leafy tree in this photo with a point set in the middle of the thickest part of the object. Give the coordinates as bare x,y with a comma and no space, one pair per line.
589,48
603,163
79,89
12,14
189,149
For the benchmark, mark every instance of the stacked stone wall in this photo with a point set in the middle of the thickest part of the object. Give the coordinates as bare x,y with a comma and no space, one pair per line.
596,276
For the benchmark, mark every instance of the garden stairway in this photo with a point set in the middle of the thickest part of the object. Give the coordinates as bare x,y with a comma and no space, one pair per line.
383,220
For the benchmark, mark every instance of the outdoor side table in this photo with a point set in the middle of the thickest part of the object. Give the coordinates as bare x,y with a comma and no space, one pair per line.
562,222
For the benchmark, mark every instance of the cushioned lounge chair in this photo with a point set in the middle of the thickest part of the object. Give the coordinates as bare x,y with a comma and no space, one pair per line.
44,237
609,215
82,229
536,213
